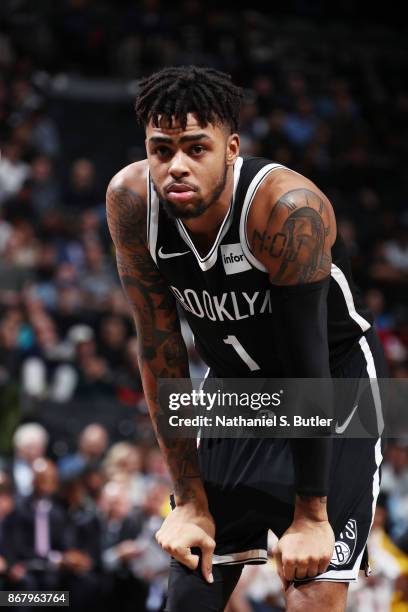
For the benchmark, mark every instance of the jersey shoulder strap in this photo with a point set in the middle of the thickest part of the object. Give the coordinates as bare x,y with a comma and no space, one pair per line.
253,172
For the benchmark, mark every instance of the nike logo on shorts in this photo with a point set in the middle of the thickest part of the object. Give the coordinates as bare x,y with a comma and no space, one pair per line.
339,429
168,255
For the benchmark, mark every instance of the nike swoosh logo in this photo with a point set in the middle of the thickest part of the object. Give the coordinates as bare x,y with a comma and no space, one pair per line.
168,255
339,429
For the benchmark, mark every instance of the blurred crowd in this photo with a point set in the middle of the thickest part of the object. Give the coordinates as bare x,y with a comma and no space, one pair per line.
86,523
325,101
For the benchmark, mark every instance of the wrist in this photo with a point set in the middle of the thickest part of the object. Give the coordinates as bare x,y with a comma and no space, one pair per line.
191,493
313,508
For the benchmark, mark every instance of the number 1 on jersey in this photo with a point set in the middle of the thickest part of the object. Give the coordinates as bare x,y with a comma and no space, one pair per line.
235,343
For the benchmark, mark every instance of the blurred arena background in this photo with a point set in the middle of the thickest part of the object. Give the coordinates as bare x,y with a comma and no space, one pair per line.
327,97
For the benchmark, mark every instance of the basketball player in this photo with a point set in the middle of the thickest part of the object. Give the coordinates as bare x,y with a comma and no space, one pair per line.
249,250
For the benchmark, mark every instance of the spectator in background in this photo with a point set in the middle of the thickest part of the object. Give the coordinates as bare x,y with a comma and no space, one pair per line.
396,251
120,548
23,248
37,534
44,134
112,342
128,381
87,585
30,442
93,479
154,466
45,367
92,444
45,189
300,126
10,350
6,506
13,171
395,484
97,276
152,566
82,191
123,463
95,380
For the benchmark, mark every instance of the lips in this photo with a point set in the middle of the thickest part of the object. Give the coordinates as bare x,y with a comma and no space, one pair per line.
179,188
180,192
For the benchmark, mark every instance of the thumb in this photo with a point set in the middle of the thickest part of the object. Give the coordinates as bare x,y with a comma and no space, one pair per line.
207,549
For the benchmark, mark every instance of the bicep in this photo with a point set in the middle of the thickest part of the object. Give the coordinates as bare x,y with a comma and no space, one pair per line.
292,237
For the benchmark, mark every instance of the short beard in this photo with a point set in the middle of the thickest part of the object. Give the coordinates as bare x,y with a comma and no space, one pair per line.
200,207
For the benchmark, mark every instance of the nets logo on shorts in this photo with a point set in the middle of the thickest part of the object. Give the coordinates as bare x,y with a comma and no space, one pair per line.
233,258
346,544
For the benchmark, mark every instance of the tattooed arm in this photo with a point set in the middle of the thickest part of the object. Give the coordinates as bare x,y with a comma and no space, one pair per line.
161,353
292,235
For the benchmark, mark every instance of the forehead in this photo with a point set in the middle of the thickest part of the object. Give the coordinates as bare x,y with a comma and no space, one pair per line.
176,131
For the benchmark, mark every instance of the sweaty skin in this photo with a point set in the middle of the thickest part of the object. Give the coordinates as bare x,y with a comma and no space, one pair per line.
291,228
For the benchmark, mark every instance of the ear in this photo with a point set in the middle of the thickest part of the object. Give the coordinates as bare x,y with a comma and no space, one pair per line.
232,149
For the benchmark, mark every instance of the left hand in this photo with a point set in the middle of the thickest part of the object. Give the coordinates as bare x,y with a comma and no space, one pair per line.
304,550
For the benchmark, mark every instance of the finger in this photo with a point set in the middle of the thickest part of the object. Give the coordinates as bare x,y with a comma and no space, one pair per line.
191,561
206,559
289,567
313,569
184,555
301,571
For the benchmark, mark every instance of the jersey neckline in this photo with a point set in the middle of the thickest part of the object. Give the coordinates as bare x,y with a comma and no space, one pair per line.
206,259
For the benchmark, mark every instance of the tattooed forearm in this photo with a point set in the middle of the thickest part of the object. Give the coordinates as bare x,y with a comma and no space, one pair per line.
161,348
294,242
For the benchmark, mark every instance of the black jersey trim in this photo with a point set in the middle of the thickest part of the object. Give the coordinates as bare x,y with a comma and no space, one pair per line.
246,556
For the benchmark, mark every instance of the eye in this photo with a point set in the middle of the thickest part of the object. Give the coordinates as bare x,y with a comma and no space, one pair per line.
162,151
197,149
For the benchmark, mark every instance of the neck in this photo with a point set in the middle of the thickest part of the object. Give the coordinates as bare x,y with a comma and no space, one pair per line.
209,222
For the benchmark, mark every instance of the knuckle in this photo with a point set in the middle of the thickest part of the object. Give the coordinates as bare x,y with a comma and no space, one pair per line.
289,561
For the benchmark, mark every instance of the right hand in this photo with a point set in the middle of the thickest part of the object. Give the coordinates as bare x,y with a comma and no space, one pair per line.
186,527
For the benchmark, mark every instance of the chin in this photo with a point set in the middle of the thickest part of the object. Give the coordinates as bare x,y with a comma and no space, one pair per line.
189,211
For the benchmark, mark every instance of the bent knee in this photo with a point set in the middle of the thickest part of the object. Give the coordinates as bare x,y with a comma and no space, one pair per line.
312,596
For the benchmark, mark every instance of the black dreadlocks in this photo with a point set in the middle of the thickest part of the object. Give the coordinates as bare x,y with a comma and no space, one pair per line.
176,91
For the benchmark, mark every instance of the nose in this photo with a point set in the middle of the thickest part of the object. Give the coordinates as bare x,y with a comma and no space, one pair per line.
178,166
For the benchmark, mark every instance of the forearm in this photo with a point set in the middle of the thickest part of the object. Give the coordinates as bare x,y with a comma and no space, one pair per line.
300,330
171,361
